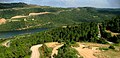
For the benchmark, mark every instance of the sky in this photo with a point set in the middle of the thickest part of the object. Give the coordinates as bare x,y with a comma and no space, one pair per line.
72,3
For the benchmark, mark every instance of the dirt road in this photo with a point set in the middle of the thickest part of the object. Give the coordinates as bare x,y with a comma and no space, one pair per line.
15,17
35,51
86,52
55,51
41,13
6,43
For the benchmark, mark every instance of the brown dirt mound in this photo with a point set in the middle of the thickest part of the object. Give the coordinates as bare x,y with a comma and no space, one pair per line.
2,21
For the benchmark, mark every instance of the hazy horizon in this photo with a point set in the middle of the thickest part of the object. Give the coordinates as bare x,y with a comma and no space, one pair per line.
71,3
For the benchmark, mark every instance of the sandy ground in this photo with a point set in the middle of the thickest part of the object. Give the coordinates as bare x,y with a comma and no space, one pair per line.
15,17
2,21
6,43
55,51
34,14
52,44
35,51
87,52
30,14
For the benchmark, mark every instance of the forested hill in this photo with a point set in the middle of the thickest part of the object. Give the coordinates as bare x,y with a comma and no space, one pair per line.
83,32
55,16
12,5
107,10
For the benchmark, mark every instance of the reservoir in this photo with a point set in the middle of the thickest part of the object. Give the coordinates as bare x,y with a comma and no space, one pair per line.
20,32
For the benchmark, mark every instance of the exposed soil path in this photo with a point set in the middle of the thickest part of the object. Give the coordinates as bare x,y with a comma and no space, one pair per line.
112,33
55,51
15,17
35,51
86,52
54,45
41,13
99,34
6,43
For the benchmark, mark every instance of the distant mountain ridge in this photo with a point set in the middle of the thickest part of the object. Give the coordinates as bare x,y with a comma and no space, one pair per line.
12,5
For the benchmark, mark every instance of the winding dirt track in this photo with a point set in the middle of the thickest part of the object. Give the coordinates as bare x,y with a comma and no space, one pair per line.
35,51
54,45
55,51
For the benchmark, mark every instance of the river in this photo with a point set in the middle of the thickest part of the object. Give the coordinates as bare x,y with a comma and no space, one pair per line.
15,33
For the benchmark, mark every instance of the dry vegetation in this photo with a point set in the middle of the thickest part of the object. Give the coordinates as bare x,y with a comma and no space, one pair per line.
112,33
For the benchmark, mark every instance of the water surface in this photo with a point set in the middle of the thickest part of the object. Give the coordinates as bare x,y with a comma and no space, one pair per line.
15,33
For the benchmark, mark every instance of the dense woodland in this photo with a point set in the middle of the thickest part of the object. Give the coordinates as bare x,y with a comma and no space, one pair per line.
67,52
20,45
12,5
57,17
112,25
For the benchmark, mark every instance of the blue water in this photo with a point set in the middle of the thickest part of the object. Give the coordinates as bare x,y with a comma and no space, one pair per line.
15,33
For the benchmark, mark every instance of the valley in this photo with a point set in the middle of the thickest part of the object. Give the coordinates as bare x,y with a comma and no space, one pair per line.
32,31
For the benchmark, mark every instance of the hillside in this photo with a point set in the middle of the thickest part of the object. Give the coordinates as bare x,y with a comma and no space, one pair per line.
12,5
54,17
69,35
82,32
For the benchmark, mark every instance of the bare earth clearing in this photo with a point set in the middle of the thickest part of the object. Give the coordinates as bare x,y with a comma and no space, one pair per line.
55,51
15,17
54,45
2,21
88,50
6,43
41,13
35,51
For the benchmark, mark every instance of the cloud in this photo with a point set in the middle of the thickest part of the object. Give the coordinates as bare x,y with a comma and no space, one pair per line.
71,3
5,0
2,1
114,3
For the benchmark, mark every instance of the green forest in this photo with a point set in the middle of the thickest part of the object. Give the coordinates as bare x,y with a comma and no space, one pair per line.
57,17
12,5
65,25
83,32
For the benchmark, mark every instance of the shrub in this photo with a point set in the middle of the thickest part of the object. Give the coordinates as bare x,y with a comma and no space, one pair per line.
111,47
103,48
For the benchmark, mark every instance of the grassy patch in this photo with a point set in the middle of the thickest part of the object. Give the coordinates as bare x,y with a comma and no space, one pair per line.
45,51
103,48
75,45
